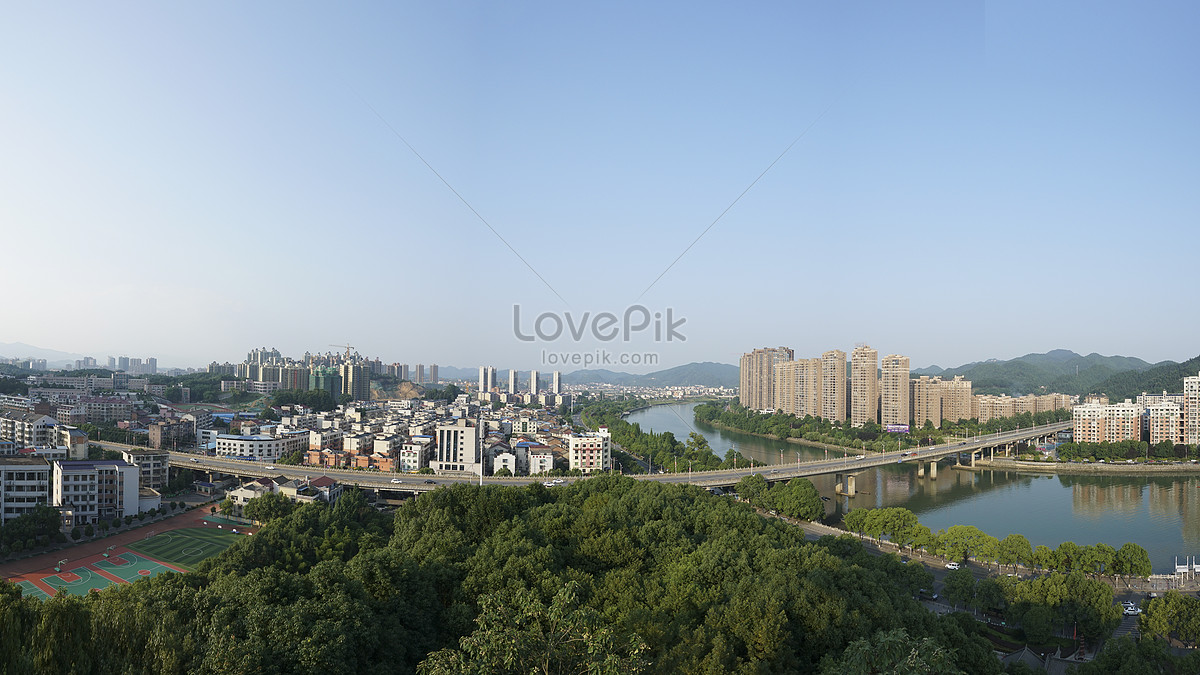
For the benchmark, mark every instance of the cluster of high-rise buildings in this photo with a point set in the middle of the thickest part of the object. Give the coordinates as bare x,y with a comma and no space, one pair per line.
266,370
1157,418
491,391
133,366
868,389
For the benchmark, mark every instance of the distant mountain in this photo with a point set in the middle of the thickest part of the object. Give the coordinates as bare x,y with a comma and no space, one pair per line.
1059,370
1167,376
54,358
707,374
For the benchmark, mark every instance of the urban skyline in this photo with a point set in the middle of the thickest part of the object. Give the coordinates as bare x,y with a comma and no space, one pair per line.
940,147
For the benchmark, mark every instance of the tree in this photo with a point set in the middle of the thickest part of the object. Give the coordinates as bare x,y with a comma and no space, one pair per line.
227,505
960,587
75,533
503,472
517,633
894,652
1014,550
88,530
1132,560
267,507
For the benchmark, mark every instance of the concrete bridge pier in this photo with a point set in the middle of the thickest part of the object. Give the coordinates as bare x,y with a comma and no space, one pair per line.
845,484
920,469
933,470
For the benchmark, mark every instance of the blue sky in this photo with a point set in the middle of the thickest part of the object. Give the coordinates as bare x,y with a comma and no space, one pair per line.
982,180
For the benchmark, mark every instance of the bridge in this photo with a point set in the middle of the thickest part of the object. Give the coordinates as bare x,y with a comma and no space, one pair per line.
845,468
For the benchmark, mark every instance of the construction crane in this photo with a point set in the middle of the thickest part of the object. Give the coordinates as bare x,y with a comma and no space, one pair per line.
348,348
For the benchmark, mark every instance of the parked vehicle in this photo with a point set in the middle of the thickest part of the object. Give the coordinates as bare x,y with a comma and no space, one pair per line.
952,565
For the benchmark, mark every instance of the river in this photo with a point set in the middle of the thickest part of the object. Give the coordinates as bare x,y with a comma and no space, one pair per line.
1159,513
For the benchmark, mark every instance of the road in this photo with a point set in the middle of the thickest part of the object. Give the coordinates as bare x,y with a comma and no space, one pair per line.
718,478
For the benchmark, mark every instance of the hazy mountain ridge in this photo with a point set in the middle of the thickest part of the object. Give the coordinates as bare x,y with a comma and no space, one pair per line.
1059,370
705,373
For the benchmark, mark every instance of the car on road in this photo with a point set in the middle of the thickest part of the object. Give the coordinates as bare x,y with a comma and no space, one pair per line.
431,482
556,481
951,565
548,484
1132,611
269,467
860,457
195,460
397,480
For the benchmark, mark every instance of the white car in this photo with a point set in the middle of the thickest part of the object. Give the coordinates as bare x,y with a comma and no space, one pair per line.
861,457
548,484
951,565
1132,611
558,480
269,467
397,480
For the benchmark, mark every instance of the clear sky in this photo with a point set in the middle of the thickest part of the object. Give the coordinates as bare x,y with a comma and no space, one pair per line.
978,180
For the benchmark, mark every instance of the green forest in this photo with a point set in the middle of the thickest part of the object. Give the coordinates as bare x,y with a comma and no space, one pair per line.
610,575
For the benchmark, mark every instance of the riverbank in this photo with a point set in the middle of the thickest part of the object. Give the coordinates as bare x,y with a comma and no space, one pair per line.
796,441
1091,469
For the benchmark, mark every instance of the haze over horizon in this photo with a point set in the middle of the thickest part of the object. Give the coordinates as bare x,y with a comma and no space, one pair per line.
971,180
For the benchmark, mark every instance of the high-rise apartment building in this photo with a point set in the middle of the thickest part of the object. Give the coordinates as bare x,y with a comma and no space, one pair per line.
956,399
925,393
484,382
833,385
356,381
556,383
1095,423
798,387
756,377
1191,410
433,374
864,385
151,366
420,373
533,382
1165,421
894,391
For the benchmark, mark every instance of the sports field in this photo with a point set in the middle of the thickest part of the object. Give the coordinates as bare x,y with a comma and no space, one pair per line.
185,548
177,550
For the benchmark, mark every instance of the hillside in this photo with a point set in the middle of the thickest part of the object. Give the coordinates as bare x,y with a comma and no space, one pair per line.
1059,370
1163,377
707,374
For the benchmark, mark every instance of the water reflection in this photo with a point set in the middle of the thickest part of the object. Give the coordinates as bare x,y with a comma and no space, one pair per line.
1161,513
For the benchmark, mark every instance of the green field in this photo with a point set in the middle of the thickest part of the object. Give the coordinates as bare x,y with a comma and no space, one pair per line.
185,548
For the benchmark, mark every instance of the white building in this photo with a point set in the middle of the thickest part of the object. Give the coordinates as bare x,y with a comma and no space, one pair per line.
457,448
415,454
24,483
261,447
590,452
89,491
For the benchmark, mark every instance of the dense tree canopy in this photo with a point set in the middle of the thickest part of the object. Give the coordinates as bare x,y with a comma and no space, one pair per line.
607,575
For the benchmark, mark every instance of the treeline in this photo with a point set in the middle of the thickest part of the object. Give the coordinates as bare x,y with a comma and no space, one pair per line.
319,400
662,450
797,498
1125,450
960,542
608,575
870,436
39,527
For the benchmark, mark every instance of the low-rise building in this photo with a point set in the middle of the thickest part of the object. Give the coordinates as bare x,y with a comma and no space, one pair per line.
153,466
24,483
590,452
88,491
